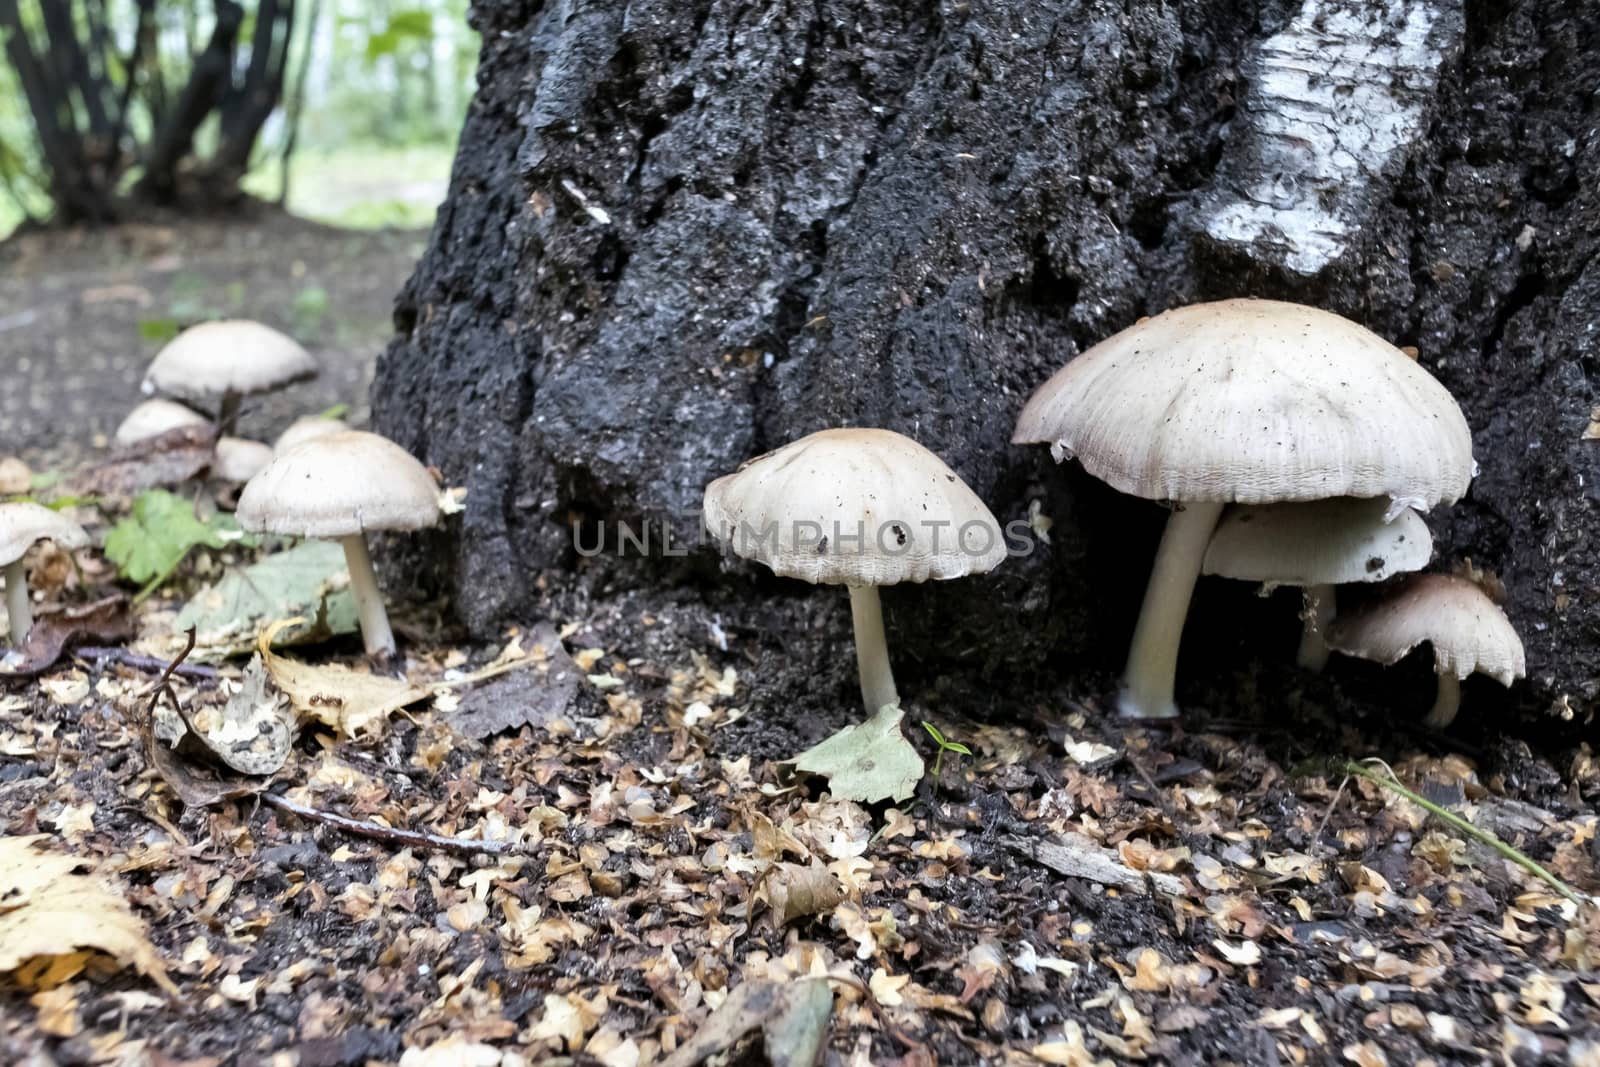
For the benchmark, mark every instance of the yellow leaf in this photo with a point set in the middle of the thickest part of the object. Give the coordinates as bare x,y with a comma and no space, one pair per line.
352,702
48,909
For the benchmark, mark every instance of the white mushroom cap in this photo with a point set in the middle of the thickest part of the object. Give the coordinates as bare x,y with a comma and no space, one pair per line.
854,507
231,356
340,485
153,418
238,460
23,523
304,429
1254,401
1468,631
1320,542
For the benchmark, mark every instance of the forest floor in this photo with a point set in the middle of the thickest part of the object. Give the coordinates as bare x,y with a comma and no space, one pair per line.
581,845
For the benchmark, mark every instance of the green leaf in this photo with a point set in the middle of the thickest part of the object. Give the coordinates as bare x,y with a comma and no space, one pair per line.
934,731
869,761
307,580
158,329
956,746
337,411
148,545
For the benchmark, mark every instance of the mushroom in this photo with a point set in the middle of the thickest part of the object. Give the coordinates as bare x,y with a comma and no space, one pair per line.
1250,402
238,460
22,524
1467,629
338,487
304,429
1316,546
226,361
859,508
153,418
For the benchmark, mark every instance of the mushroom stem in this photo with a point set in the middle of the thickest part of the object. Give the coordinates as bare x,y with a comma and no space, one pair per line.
17,603
1153,656
1321,604
1447,703
872,648
228,414
369,600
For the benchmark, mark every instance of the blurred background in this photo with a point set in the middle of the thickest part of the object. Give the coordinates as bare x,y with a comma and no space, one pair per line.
164,162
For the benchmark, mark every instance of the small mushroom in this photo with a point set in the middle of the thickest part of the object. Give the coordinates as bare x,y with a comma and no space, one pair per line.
304,429
1468,631
860,508
238,460
1316,546
22,524
226,361
152,418
338,487
1248,402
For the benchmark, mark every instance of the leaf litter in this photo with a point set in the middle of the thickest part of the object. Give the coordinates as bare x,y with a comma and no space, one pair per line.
583,843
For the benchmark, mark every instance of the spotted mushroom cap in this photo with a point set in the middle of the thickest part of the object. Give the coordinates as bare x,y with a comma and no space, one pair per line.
229,356
23,523
1468,631
339,485
854,507
1320,542
1254,402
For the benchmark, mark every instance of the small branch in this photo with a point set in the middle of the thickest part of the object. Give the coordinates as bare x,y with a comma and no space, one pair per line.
388,834
142,663
1361,770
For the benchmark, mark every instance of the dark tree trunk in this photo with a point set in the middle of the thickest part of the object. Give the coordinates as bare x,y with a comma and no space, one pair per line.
681,233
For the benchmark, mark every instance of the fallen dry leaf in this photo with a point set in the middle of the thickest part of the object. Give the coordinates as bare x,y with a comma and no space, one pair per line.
104,621
353,702
48,909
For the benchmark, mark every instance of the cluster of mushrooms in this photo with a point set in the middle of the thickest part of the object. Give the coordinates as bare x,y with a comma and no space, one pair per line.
320,479
1293,446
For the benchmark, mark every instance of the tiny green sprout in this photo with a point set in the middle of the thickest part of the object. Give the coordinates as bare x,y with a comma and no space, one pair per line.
337,411
944,746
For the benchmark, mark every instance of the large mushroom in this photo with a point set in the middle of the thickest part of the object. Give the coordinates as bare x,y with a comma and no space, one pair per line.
225,361
1317,546
1250,402
1468,631
338,487
22,525
860,508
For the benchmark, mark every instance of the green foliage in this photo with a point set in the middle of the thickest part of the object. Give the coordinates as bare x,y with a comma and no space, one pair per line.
310,305
415,24
158,330
944,746
304,582
150,543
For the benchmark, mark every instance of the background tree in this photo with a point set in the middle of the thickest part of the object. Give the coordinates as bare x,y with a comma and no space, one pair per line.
108,97
681,232
110,107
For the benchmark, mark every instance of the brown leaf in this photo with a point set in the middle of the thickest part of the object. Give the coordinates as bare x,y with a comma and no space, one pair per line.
351,701
795,891
104,621
51,910
164,460
532,694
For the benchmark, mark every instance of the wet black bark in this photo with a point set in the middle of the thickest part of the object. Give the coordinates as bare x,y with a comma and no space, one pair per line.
679,234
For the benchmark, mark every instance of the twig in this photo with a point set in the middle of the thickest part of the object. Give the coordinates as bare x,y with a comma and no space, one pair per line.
143,663
1391,783
387,834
